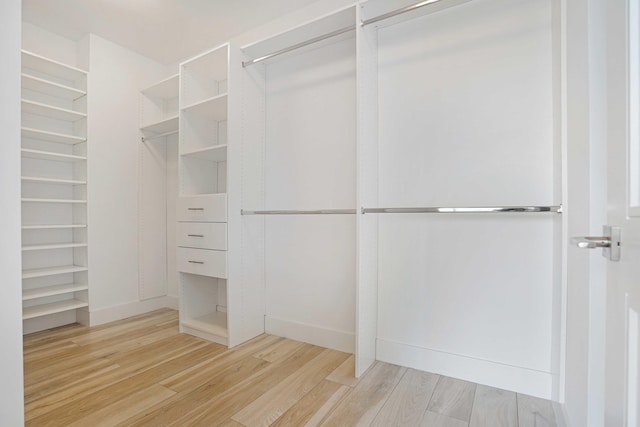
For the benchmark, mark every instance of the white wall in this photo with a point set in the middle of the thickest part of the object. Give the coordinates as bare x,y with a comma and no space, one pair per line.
11,397
116,76
50,45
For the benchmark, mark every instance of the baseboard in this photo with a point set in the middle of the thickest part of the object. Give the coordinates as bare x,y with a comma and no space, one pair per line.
521,380
110,314
560,412
336,340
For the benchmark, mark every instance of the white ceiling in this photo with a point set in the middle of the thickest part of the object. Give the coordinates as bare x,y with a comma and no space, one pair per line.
165,30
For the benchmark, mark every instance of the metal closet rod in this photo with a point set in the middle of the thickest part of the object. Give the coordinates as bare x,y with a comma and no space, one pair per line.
486,209
299,45
301,212
398,12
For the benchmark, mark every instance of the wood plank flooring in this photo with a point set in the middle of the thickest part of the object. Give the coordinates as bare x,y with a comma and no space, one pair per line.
141,372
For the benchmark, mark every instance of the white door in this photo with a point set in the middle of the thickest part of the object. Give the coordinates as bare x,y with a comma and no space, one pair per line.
622,383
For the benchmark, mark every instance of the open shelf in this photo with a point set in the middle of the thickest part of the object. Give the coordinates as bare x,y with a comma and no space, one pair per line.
214,107
212,325
53,246
52,136
49,155
40,180
52,271
52,308
49,291
64,201
217,153
51,88
54,68
165,89
50,111
53,226
163,126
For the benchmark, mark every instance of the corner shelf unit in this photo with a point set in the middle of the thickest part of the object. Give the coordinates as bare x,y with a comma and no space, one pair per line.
55,279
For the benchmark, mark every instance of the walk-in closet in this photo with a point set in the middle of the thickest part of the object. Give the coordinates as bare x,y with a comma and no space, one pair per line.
322,212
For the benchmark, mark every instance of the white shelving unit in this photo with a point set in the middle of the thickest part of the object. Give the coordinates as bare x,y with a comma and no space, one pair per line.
54,194
158,153
203,187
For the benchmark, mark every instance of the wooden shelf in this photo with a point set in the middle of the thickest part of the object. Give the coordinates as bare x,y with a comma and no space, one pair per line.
214,108
53,226
51,136
40,180
217,153
52,271
64,201
167,125
48,291
44,65
165,89
38,84
50,111
52,308
53,246
49,155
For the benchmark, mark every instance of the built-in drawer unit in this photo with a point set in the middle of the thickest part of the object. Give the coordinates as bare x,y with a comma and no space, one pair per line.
203,235
204,262
205,208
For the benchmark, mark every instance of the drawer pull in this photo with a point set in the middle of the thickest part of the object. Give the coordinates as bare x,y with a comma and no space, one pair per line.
195,235
195,209
196,262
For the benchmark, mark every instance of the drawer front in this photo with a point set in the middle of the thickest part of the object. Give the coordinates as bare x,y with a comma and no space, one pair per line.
204,235
204,262
206,208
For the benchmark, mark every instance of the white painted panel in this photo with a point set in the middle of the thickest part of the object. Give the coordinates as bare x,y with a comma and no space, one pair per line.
310,158
367,233
466,119
11,404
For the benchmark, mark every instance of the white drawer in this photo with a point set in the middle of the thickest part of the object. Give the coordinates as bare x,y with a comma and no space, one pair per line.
204,262
205,208
204,235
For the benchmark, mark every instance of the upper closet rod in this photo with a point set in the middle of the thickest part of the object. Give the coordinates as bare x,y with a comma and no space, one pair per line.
397,12
300,212
299,45
489,209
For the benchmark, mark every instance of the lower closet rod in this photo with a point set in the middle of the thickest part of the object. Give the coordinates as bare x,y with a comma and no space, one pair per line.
487,209
301,212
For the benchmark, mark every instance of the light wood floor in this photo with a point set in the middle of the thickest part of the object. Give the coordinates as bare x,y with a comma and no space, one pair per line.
141,372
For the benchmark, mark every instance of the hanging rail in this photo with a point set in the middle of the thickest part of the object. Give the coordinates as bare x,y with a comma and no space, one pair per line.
299,45
397,12
488,209
301,212
160,135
